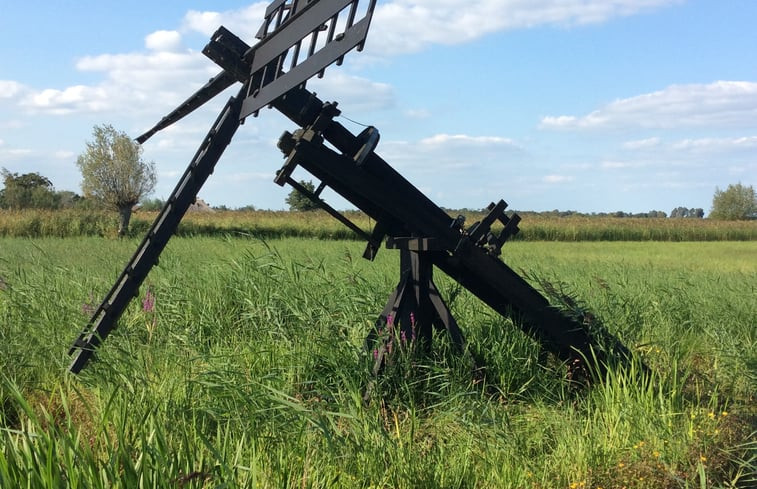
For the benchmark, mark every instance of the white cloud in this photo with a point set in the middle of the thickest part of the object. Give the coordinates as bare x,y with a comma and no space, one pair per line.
134,83
411,25
441,140
722,103
558,121
205,23
161,77
72,99
353,93
153,81
157,80
243,22
716,144
163,41
557,179
642,143
11,89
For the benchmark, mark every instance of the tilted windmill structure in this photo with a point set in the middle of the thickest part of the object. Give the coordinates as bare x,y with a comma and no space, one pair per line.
299,39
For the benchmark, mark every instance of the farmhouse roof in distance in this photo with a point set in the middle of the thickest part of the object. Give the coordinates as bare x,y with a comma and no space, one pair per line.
200,206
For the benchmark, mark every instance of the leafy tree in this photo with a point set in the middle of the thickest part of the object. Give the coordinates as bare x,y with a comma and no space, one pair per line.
298,202
737,202
68,199
114,173
686,212
29,190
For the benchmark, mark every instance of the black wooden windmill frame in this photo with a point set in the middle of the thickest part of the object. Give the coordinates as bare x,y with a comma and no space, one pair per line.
299,39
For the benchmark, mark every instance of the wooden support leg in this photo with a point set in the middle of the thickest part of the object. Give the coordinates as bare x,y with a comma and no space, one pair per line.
413,309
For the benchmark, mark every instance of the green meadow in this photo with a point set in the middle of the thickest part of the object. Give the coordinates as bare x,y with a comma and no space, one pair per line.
241,364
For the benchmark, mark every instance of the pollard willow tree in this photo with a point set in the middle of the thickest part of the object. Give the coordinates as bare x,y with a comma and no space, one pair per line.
114,173
737,202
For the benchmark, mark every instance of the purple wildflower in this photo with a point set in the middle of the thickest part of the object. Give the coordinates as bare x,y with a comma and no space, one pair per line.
375,353
403,336
148,303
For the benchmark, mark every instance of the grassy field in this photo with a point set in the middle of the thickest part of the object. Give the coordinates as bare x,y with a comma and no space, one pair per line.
241,365
281,224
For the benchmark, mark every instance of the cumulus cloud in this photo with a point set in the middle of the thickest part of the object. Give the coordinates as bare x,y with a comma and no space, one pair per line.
721,103
412,25
163,41
10,89
133,82
203,22
168,72
71,99
243,22
154,80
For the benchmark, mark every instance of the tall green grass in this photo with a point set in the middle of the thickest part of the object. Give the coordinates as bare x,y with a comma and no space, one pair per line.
250,372
281,224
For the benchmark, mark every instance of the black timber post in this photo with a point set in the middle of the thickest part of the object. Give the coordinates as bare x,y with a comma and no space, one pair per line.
415,307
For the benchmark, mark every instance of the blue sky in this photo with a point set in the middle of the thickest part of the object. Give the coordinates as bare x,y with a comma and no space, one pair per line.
588,105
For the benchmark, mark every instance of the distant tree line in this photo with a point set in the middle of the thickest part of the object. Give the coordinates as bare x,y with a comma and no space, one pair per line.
34,191
569,213
684,212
